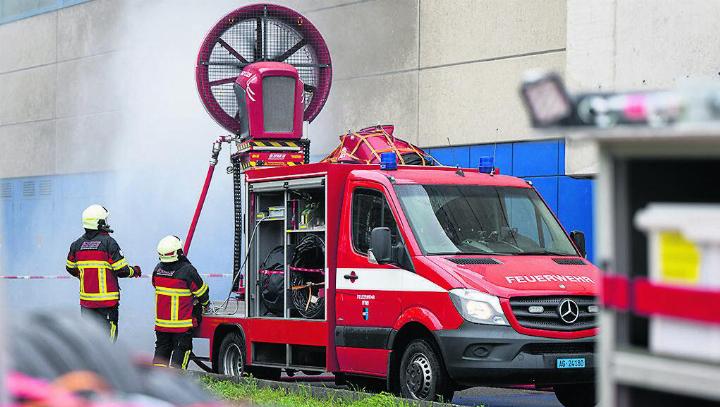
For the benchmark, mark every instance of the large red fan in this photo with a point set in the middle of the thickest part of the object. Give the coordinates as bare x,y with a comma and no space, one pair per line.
261,32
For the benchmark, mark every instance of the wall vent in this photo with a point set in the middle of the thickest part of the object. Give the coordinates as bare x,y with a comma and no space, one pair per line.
45,187
6,190
28,188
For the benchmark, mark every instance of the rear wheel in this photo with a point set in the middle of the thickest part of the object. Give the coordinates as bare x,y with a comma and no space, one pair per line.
231,357
422,376
576,395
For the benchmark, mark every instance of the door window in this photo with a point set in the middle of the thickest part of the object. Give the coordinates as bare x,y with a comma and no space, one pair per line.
370,210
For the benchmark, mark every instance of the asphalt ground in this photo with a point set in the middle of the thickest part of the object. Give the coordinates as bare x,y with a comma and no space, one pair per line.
476,396
505,397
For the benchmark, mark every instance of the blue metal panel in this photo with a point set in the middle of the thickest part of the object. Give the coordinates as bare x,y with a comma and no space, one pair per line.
43,217
561,157
547,187
502,153
575,208
536,158
451,156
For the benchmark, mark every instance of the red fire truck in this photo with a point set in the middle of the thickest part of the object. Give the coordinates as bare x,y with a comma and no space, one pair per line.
418,279
433,278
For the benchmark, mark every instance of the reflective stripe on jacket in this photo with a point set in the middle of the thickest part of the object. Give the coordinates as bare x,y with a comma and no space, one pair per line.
177,285
97,261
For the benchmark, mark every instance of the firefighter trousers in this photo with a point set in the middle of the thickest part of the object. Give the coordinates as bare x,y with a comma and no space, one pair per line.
106,317
173,347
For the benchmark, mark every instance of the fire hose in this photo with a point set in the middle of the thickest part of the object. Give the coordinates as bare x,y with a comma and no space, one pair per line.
216,147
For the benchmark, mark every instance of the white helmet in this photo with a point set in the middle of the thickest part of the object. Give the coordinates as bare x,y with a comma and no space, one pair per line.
169,248
94,217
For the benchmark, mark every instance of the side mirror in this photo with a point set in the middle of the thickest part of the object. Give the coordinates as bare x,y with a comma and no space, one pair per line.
381,245
578,238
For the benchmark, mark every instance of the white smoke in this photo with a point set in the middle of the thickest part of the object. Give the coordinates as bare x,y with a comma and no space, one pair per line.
162,156
158,164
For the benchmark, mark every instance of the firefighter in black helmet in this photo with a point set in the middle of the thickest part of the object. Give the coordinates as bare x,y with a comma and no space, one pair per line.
97,261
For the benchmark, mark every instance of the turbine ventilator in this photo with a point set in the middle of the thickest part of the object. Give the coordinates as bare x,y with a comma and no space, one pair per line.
262,71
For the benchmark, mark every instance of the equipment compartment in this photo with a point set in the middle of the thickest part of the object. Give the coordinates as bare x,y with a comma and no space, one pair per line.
306,261
286,238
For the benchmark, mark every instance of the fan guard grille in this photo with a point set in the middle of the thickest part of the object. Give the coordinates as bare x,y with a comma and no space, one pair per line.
261,32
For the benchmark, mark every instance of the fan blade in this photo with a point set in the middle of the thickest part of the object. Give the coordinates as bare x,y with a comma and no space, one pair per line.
287,54
258,39
243,65
311,65
232,51
240,65
223,81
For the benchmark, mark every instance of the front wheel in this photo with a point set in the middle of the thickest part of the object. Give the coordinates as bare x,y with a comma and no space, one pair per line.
576,395
422,376
231,357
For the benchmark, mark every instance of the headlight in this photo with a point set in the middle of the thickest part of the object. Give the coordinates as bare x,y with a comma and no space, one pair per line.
478,307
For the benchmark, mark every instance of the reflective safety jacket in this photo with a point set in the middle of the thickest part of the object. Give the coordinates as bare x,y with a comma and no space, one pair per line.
177,284
97,261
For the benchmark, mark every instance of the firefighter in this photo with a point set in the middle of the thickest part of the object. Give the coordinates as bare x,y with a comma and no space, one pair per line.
179,293
97,261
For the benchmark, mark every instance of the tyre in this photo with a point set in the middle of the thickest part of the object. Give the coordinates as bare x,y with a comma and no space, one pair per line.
576,395
422,375
231,357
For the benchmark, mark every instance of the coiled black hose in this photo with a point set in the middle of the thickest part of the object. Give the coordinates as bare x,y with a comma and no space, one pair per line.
307,277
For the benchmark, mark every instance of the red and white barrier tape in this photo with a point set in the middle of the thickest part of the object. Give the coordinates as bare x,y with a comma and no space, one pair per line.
67,277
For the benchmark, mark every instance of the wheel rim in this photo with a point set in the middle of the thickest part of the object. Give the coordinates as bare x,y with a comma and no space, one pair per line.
418,376
233,363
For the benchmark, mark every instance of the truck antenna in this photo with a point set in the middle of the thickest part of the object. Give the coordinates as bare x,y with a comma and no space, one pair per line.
452,151
492,172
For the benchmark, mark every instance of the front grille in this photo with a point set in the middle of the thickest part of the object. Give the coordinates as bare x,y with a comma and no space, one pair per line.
474,260
569,262
550,319
555,348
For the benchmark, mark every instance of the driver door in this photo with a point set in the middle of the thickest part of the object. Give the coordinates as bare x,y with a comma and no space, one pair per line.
368,301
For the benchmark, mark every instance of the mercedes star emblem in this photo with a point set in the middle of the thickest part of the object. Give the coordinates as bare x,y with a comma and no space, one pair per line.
569,311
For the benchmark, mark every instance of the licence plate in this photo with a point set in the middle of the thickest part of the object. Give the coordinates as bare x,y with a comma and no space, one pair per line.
570,363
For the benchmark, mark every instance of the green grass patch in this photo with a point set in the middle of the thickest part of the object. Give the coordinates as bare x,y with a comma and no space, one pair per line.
249,391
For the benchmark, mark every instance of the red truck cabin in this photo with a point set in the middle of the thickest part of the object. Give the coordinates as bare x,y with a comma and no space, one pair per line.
466,275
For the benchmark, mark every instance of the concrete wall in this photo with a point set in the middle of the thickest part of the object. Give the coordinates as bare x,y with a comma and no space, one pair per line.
57,108
98,104
628,45
439,70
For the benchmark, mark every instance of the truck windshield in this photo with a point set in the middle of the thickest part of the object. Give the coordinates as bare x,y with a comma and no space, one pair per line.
470,219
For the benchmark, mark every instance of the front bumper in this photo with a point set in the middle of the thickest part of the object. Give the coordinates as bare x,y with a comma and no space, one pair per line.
476,354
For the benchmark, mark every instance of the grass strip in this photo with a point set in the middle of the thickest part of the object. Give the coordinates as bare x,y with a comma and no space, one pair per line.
249,391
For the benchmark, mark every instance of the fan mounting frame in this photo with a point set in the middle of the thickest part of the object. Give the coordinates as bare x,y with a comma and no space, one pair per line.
269,20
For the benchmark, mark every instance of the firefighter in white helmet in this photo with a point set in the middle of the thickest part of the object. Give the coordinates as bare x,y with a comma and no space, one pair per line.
180,293
97,261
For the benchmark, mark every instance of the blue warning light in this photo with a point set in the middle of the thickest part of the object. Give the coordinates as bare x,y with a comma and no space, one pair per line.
487,164
388,161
